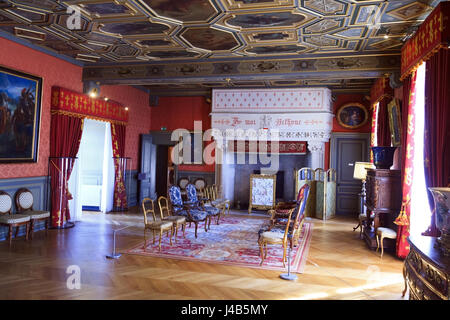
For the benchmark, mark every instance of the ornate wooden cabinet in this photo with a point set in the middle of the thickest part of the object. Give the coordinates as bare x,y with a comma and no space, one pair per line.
426,270
383,202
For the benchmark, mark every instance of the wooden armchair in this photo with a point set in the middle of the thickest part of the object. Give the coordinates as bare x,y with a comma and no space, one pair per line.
163,204
24,203
281,211
276,236
12,220
215,198
154,225
192,213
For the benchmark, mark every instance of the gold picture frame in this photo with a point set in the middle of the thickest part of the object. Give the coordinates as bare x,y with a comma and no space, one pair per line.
395,124
261,183
352,115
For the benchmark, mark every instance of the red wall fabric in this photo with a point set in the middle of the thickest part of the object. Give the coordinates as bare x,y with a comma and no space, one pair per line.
57,72
54,72
180,113
139,118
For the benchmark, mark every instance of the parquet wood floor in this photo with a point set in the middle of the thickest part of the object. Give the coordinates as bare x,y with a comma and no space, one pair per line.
339,266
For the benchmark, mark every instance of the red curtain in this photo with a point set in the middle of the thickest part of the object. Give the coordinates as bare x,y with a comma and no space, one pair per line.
408,127
437,127
383,131
373,130
65,139
118,133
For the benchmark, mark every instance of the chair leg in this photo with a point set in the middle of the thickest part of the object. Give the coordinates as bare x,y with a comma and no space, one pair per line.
153,232
31,229
10,231
28,231
175,226
184,229
378,242
171,234
196,225
265,250
261,250
160,237
17,232
382,248
46,227
145,240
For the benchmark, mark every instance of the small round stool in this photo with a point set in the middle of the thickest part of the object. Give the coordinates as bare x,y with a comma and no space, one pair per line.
384,233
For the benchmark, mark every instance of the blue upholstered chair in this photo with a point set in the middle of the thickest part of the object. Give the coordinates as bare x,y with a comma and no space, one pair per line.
192,212
191,193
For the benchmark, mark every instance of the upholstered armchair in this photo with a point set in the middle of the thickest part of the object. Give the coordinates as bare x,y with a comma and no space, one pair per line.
191,193
24,204
213,196
281,211
276,236
192,212
11,220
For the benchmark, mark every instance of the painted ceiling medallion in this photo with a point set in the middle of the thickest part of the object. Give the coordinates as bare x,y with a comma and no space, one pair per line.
183,10
266,20
134,28
109,8
210,39
285,49
325,7
410,11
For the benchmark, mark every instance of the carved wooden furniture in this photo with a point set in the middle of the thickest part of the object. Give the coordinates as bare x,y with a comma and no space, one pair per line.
426,270
177,221
12,220
383,202
155,225
382,233
262,192
281,211
24,203
193,199
307,176
275,236
191,212
217,200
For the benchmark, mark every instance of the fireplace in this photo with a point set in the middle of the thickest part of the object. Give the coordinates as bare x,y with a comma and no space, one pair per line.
295,123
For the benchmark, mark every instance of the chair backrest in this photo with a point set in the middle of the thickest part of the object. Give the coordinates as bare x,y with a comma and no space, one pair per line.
300,208
183,182
301,193
163,204
148,206
288,229
5,203
24,199
200,183
191,193
215,191
175,196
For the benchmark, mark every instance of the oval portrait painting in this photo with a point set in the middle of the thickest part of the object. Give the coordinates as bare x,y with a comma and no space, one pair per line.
352,115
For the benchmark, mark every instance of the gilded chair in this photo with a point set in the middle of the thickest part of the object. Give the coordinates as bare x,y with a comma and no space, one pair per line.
192,213
382,233
281,211
193,198
275,236
12,220
200,185
160,226
24,203
216,201
177,221
182,183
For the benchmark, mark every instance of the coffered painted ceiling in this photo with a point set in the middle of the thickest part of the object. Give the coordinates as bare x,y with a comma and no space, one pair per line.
194,45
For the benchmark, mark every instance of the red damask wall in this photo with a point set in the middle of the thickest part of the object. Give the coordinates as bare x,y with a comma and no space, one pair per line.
57,72
139,120
54,72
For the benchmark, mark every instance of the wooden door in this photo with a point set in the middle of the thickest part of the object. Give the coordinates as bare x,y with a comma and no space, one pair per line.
145,175
345,150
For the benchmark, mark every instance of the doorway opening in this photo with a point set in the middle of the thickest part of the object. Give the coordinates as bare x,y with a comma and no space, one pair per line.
92,179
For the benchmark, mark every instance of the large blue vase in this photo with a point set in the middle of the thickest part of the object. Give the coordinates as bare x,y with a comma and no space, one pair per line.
383,157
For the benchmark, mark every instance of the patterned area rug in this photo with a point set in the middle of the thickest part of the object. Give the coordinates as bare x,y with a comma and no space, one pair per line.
233,242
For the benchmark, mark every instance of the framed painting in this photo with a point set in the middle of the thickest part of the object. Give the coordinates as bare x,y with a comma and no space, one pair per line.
20,113
395,124
262,192
352,115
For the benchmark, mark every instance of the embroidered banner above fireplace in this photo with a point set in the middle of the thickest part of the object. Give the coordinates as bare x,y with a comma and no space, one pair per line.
284,147
293,100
